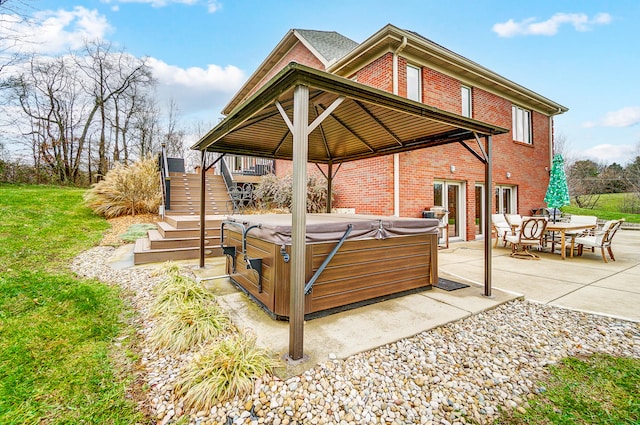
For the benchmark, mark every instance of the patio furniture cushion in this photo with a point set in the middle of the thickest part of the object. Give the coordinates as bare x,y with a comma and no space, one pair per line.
501,227
600,239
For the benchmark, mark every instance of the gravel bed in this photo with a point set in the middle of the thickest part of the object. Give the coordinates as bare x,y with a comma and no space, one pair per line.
463,372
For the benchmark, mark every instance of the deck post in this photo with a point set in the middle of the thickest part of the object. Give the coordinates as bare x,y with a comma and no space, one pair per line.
299,218
203,219
488,191
329,185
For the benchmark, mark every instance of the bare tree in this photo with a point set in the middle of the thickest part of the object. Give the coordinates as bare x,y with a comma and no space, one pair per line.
146,129
49,96
584,182
107,75
174,137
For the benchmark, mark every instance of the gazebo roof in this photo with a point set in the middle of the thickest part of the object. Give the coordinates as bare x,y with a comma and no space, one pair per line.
367,123
336,120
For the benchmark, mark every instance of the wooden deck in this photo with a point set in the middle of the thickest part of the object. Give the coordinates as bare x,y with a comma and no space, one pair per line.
177,237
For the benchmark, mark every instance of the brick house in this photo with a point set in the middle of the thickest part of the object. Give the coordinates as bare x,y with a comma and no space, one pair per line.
404,184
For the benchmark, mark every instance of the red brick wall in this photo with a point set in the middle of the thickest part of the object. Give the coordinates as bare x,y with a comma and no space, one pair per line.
367,185
441,91
378,73
299,54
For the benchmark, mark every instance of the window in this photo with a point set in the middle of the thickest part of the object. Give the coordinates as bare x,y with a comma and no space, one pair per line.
414,89
521,123
466,101
506,199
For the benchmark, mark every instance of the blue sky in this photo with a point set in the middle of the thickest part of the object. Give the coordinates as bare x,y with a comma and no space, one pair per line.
581,54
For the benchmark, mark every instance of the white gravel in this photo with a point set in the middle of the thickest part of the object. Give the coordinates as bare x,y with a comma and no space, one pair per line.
463,372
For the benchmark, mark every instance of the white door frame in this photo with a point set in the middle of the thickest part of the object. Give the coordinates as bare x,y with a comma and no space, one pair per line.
461,218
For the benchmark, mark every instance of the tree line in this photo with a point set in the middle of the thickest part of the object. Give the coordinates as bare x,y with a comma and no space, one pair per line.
79,114
587,180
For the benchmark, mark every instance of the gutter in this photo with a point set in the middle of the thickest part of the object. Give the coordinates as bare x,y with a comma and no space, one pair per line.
396,157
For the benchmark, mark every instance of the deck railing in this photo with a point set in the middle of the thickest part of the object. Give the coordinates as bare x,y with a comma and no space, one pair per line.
165,179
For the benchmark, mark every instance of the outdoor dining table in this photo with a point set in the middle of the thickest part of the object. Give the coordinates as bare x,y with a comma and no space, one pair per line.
562,228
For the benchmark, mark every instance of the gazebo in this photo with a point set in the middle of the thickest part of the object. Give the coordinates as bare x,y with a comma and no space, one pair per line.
306,115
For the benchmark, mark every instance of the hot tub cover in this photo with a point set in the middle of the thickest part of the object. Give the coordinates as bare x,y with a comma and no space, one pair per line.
276,228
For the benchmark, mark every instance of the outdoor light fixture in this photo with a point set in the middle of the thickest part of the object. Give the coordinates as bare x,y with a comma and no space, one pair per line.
508,175
452,168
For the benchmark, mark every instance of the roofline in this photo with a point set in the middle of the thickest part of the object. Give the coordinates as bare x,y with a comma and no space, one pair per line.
392,36
286,43
295,74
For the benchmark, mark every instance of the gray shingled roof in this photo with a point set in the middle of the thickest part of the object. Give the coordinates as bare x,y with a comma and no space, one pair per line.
329,44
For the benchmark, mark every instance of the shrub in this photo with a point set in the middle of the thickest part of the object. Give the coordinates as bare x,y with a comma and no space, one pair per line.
223,370
276,193
127,189
137,231
187,313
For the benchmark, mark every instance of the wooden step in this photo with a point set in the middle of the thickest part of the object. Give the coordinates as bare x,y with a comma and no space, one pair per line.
169,232
191,222
142,254
157,242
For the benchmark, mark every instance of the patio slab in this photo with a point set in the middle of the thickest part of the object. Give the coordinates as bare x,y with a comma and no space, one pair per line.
586,284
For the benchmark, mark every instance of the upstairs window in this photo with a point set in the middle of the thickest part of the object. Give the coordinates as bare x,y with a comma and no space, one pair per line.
414,86
466,101
521,124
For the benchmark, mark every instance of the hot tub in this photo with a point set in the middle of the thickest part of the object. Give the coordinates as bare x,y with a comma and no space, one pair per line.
351,259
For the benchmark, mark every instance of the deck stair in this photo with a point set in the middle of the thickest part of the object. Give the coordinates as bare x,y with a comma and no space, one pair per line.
177,236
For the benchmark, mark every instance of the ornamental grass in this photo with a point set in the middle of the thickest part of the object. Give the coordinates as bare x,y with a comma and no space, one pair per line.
186,313
127,190
223,370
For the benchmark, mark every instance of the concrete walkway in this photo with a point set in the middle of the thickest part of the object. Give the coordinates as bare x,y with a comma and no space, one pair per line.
581,283
584,283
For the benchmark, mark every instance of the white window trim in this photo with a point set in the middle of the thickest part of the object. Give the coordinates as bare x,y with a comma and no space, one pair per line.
521,124
419,88
469,102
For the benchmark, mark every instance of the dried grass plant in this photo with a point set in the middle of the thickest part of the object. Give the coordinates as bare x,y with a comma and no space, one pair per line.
223,370
187,314
275,193
127,190
176,290
189,325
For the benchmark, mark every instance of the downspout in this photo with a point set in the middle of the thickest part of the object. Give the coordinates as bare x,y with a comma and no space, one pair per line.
396,157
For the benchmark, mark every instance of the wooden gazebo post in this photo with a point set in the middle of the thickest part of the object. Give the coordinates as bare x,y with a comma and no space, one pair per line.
299,221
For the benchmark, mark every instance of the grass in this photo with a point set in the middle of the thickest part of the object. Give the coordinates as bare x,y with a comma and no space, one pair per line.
598,390
608,207
57,332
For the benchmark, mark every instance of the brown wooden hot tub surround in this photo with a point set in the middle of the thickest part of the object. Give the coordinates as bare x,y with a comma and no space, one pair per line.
380,257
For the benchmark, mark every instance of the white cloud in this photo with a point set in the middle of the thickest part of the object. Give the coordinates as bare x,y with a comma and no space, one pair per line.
625,117
531,26
608,154
56,31
196,89
212,5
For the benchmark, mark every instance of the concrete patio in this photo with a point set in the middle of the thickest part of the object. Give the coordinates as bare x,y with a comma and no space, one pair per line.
581,283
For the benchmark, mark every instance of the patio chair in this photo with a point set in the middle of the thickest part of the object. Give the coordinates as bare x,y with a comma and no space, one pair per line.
600,239
501,227
530,234
515,221
580,219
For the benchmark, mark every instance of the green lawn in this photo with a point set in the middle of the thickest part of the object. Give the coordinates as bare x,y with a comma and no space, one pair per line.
57,358
608,207
598,390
